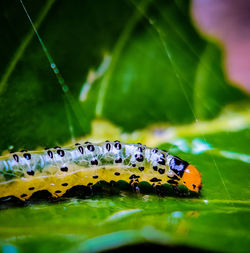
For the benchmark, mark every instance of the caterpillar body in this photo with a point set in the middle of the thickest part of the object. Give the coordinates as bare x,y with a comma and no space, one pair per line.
59,169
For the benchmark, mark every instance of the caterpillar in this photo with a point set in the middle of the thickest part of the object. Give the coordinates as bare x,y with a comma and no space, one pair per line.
59,169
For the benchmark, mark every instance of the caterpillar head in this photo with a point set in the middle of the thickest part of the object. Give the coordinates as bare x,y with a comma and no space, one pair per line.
189,175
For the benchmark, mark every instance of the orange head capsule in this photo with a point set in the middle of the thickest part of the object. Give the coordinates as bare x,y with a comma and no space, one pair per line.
192,178
188,174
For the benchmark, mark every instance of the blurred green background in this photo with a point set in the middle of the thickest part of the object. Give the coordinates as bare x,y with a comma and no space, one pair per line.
133,64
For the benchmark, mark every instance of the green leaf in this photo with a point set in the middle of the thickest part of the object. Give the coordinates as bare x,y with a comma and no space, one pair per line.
218,220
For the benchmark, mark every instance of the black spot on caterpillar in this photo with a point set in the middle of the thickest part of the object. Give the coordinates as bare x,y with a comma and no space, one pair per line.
84,164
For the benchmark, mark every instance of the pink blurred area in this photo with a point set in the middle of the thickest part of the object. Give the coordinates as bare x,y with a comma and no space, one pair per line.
229,22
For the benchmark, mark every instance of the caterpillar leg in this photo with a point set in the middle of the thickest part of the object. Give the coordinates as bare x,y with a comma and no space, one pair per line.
90,187
135,187
175,189
134,183
112,183
157,188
